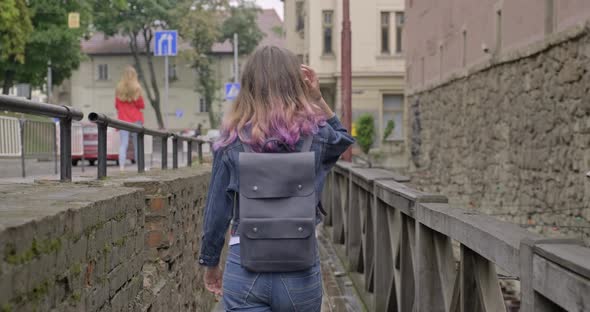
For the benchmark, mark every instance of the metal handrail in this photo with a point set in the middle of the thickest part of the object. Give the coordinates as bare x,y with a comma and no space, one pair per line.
189,151
103,122
65,114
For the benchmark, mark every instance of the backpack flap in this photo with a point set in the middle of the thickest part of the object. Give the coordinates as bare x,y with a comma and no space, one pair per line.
276,175
277,229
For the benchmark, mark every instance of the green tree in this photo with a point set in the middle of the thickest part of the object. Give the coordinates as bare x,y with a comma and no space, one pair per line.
199,24
138,20
15,27
365,129
50,40
208,22
243,20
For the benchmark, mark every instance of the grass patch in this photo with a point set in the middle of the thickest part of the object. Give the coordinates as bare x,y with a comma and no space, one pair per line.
37,249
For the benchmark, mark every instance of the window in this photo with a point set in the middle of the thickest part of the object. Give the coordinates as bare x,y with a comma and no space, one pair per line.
498,31
385,33
440,61
103,72
399,27
327,27
301,58
202,105
464,54
299,16
549,16
393,109
172,72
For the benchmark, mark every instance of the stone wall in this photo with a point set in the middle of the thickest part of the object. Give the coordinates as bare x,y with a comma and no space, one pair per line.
512,137
173,224
128,243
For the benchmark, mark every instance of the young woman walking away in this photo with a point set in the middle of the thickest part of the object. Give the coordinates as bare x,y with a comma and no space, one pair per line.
129,103
279,109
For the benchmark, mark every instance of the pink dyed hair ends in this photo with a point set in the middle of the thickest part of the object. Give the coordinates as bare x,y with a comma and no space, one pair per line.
273,107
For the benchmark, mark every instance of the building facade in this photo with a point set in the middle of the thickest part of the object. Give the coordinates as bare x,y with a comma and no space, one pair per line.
313,29
499,108
92,87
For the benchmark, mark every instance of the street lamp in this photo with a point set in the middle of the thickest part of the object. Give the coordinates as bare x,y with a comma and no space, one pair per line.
346,68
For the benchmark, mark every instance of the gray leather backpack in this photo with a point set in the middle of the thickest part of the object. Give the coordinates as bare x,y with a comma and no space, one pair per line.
277,210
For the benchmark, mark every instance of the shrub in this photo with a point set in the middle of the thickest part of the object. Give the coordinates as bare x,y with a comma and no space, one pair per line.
365,129
388,129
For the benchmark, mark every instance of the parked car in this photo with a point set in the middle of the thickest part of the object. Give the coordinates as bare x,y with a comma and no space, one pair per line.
90,132
212,135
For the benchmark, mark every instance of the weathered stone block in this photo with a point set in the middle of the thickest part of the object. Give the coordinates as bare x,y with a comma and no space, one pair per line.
97,298
117,277
77,252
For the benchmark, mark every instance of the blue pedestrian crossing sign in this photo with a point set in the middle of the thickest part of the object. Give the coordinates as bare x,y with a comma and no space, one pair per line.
166,43
231,91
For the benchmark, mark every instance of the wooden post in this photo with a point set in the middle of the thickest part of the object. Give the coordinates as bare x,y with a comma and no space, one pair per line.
434,271
407,266
385,287
354,235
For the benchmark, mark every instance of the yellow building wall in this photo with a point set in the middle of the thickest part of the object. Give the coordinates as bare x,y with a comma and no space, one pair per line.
92,95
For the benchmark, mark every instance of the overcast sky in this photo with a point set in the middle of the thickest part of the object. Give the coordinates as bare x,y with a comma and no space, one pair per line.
272,4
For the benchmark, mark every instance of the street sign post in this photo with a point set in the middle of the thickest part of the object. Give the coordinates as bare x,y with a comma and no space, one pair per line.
231,91
166,44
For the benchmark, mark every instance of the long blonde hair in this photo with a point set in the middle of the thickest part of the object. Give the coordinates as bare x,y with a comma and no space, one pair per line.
128,88
273,105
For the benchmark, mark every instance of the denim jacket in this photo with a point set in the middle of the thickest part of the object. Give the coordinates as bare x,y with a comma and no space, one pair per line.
328,144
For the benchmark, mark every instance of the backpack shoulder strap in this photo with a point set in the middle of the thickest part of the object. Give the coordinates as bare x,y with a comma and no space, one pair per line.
306,147
247,148
307,140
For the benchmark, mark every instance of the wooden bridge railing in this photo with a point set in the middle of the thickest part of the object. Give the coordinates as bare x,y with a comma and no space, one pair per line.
407,251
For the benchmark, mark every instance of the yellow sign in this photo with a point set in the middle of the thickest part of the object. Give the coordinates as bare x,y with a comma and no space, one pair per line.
353,130
74,20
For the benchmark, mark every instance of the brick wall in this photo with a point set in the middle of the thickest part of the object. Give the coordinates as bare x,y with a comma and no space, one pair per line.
124,244
174,211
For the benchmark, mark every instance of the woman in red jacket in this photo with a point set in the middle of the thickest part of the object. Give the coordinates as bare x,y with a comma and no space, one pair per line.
129,104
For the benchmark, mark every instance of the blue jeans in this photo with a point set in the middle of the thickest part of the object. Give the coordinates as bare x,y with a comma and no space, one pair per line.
266,292
124,143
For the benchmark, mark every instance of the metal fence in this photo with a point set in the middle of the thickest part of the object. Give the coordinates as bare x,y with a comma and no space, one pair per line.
39,139
65,114
10,137
399,244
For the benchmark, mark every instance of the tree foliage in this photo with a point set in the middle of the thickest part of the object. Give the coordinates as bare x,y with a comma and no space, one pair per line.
201,28
243,21
50,40
138,20
209,22
365,129
15,27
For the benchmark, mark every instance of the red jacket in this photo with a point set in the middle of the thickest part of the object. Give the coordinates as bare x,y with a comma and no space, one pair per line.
130,111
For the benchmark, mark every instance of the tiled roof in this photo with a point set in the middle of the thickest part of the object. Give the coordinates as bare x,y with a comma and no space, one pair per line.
98,43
